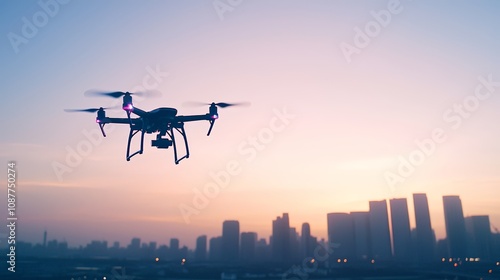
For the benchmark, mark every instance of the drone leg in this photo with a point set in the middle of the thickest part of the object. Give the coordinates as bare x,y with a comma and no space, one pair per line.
130,136
101,126
175,146
211,126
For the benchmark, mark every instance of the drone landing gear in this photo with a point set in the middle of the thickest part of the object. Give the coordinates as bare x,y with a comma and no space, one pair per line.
131,135
165,143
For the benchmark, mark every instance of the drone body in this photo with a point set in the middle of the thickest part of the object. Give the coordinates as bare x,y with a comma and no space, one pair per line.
164,121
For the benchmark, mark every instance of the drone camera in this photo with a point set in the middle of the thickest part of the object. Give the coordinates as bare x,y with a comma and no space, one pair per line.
161,143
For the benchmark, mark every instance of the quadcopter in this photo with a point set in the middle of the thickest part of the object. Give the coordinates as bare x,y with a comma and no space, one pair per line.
164,121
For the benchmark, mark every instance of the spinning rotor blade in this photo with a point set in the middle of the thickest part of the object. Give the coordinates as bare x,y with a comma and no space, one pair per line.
118,94
220,104
89,110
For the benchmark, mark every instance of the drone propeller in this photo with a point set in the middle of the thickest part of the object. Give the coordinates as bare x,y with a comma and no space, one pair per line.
118,94
220,104
89,110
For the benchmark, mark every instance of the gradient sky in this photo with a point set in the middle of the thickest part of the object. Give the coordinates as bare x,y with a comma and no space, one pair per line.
352,120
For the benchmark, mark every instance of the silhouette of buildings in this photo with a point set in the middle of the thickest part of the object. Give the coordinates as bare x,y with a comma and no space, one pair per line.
424,241
230,241
215,250
280,240
455,226
361,238
248,247
307,242
479,237
401,233
341,232
201,249
361,223
379,230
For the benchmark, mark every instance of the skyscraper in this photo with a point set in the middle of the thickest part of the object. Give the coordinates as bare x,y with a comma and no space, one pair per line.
230,240
341,231
425,241
215,250
200,254
380,237
479,237
280,240
307,242
361,222
174,248
248,245
401,233
455,226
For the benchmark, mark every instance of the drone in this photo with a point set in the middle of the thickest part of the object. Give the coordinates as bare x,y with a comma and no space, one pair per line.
164,121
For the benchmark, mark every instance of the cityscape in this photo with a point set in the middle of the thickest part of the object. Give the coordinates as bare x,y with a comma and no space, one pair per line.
380,237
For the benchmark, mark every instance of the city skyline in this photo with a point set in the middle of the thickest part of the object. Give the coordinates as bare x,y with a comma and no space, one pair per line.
351,101
394,237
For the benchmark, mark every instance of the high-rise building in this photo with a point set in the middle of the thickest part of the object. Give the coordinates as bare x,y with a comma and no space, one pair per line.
479,237
280,240
455,226
230,241
247,248
341,232
200,253
401,233
307,242
215,250
174,248
361,222
380,237
425,241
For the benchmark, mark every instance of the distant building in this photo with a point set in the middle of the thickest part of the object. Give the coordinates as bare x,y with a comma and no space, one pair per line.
455,226
479,237
361,223
425,241
230,241
380,237
280,240
248,246
215,250
174,249
341,232
401,233
307,242
200,254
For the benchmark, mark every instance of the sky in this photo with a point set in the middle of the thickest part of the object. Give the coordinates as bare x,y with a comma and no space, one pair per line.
351,101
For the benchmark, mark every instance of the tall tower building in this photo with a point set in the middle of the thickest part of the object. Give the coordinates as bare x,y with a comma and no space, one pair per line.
341,231
280,240
200,253
307,242
425,240
455,226
479,237
215,250
401,233
248,245
361,222
230,240
380,236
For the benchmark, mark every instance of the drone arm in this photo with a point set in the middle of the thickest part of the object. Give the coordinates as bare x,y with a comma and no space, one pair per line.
120,121
193,118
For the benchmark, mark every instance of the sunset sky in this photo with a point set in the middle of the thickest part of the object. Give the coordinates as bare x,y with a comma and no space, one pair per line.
341,92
